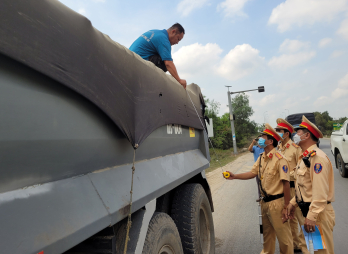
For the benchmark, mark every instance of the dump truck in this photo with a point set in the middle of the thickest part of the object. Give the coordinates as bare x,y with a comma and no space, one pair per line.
91,137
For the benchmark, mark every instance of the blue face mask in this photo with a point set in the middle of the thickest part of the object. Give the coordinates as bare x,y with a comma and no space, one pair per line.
261,142
280,134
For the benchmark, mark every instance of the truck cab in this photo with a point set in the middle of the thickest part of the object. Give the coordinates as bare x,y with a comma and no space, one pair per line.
339,149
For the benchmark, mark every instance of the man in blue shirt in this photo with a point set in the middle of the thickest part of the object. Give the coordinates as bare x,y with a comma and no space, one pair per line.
256,150
155,46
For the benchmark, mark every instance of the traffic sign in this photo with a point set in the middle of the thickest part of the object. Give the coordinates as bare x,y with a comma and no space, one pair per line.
337,126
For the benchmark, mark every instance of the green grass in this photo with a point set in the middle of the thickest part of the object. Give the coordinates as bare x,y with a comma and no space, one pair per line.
224,157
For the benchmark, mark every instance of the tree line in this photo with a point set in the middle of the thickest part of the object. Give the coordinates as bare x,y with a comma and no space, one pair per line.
325,122
245,128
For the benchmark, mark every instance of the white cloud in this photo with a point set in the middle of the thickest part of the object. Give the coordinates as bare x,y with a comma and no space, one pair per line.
305,71
270,98
82,11
232,7
337,53
197,58
292,46
99,1
343,30
305,98
324,42
286,61
299,12
185,7
202,59
239,62
342,88
322,100
340,91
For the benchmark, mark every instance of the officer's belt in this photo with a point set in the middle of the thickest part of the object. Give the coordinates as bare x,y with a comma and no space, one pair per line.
292,184
309,203
270,198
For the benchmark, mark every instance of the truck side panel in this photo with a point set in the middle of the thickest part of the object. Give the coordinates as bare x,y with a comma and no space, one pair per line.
56,216
49,133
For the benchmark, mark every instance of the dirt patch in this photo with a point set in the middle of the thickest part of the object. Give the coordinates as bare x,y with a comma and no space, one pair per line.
222,157
241,162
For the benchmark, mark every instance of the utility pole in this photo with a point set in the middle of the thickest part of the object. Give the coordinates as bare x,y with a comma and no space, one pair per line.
261,89
232,121
264,117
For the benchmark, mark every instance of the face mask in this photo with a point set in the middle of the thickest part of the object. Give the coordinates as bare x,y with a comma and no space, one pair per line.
280,134
297,138
261,142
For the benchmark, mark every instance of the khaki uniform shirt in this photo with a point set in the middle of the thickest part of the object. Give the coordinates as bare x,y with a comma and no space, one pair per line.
315,184
274,168
292,152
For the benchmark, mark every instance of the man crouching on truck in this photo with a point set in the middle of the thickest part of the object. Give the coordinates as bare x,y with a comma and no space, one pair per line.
272,168
155,46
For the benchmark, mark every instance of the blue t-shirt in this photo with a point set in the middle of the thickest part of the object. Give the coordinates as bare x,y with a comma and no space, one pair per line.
256,151
151,43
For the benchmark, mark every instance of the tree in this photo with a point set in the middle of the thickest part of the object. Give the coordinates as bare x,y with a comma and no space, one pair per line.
325,122
222,125
212,108
243,126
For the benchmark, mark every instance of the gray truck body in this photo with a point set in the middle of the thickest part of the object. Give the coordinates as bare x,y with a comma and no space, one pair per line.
65,163
66,168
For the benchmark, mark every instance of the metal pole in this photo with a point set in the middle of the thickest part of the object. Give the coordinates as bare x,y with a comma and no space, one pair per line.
264,117
244,91
232,122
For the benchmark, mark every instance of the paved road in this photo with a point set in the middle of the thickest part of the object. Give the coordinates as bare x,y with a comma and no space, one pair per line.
236,214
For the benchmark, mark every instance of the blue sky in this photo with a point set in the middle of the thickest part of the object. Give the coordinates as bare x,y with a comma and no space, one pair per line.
297,49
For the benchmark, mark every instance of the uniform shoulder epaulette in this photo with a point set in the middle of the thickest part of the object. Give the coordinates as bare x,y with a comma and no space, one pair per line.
312,153
279,156
295,145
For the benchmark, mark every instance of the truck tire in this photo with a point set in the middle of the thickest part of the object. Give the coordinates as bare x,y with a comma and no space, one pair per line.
192,215
162,236
341,166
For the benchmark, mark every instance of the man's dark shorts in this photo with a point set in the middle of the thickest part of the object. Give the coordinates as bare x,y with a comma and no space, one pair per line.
157,60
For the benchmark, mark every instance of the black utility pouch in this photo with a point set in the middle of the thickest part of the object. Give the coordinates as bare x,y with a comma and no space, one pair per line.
304,206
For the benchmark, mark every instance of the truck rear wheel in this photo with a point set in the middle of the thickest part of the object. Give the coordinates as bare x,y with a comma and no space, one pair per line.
162,236
192,215
341,166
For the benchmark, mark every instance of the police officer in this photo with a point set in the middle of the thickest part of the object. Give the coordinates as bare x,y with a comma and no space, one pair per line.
292,152
273,171
314,186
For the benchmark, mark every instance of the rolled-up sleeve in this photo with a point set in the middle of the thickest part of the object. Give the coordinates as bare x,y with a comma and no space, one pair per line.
255,168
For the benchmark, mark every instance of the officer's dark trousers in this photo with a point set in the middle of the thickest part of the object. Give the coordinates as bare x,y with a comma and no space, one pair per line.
157,60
